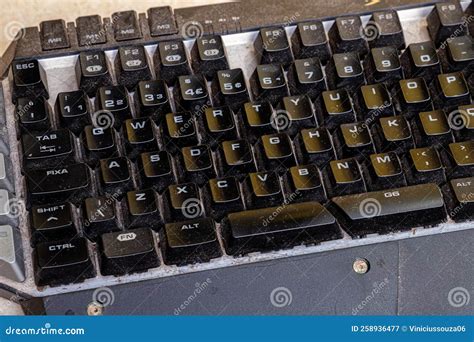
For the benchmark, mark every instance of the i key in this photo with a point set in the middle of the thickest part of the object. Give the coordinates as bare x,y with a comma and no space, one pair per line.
131,66
346,35
345,70
389,30
268,83
229,88
375,101
272,46
74,110
309,40
446,20
92,71
191,93
113,99
171,61
208,56
152,99
305,76
28,79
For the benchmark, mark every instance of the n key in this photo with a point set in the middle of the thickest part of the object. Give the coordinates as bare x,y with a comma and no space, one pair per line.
344,177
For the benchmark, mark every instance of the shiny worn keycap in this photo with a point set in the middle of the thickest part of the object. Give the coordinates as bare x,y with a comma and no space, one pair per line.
272,46
446,20
347,34
208,55
421,60
229,88
142,210
52,223
116,176
28,79
171,61
92,71
131,65
384,171
152,99
305,77
383,65
309,40
112,106
388,30
262,189
344,177
99,143
100,216
314,146
155,170
74,110
268,83
139,137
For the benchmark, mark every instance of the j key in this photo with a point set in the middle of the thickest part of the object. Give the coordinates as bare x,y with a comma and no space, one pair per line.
452,90
53,35
375,101
225,197
297,113
459,54
388,30
142,209
92,71
343,177
347,35
354,140
423,165
268,83
139,137
336,108
309,222
171,61
100,216
383,65
258,119
462,206
50,149
302,183
182,202
235,158
208,55
155,170
262,189
446,20
421,60
274,152
69,183
131,66
28,79
391,210
33,114
191,241
309,40
196,164
74,110
52,223
414,96
314,146
113,99
62,262
99,143
432,128
128,252
345,70
305,76
229,88
116,176
384,171
152,99
459,159
90,31
126,26
191,93
217,124
393,134
272,46
179,131
161,21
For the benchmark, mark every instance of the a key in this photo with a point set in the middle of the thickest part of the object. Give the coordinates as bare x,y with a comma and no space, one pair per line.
421,60
384,171
346,34
155,170
189,242
126,26
344,177
182,202
262,189
132,66
462,203
432,128
62,262
235,158
396,209
393,134
196,164
128,252
224,195
388,30
253,230
100,216
208,55
305,77
414,96
229,88
314,146
28,79
274,153
191,93
272,46
52,223
258,119
171,61
446,20
90,30
142,210
309,40
383,65
99,143
295,114
11,256
139,137
268,83
161,21
33,114
459,159
423,165
375,101
335,108
302,183
451,90
73,108
179,131
53,35
217,124
116,177
152,99
69,183
113,106
354,140
92,71
345,70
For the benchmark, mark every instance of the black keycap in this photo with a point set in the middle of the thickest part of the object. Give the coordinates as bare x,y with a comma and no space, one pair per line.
384,171
295,114
345,70
188,242
469,13
100,216
346,35
155,170
388,30
262,189
274,153
374,101
126,26
258,119
196,164
171,61
229,88
52,223
235,158
421,60
161,21
272,46
383,65
128,252
459,159
309,40
343,177
99,143
305,76
132,66
446,20
393,134
462,203
309,222
50,149
451,90
53,35
69,183
302,183
112,103
116,177
268,83
182,202
314,146
432,128
208,55
224,197
92,71
217,124
142,210
423,165
62,262
179,131
28,79
33,114
335,108
354,140
391,210
414,96
73,108
152,99
191,93
139,137
90,30
458,54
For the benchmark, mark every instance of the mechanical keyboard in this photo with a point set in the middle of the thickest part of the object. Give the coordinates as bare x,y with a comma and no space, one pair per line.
145,147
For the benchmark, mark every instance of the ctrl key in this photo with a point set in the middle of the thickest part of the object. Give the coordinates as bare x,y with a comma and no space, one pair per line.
63,262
